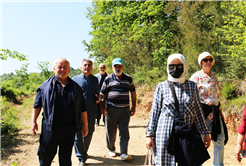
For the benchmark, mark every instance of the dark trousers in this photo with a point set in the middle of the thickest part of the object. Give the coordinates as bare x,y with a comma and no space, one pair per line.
62,136
117,117
99,114
81,144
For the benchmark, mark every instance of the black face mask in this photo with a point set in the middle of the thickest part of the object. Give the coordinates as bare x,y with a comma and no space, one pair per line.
176,72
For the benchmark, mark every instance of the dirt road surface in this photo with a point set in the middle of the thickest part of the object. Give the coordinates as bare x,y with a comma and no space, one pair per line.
25,152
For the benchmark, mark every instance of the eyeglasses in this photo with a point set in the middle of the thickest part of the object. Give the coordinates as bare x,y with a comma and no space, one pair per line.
210,60
102,67
172,66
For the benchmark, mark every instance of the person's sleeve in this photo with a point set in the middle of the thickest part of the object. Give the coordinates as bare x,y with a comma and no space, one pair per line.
155,111
219,84
242,126
104,88
97,87
38,100
83,103
199,116
132,86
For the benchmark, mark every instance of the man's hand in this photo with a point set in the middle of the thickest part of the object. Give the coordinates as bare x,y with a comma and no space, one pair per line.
34,128
104,111
207,141
133,110
98,100
85,131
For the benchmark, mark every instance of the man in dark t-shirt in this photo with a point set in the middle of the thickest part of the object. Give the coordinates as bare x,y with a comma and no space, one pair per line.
64,111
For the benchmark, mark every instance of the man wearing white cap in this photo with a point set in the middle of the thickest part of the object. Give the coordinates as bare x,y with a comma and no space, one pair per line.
115,89
209,92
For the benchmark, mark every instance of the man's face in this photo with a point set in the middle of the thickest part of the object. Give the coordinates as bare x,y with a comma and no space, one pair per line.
102,69
61,70
118,69
86,68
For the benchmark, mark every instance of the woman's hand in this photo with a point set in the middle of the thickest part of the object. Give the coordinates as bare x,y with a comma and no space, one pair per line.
238,152
149,143
239,147
207,141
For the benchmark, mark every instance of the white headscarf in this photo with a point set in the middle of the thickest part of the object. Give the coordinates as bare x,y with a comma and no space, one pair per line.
181,79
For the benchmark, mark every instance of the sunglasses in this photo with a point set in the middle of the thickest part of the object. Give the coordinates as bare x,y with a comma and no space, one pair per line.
210,60
102,67
172,66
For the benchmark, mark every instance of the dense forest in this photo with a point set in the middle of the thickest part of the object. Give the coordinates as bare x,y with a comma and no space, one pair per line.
144,34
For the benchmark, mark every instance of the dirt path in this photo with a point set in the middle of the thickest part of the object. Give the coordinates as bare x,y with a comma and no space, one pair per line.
26,150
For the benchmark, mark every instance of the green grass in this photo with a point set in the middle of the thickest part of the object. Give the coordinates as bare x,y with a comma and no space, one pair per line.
235,105
10,120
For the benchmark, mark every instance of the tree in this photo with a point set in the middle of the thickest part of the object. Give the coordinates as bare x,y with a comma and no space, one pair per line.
44,67
23,74
234,32
139,32
5,53
198,23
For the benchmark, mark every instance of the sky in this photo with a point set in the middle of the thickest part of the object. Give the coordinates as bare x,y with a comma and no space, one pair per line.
44,30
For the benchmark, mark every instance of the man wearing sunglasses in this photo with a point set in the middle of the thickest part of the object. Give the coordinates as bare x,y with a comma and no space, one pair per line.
100,76
209,92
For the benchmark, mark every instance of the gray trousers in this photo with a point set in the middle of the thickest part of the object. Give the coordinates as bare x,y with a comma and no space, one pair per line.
117,117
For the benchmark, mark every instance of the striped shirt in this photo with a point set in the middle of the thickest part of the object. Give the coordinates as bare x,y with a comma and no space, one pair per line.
117,91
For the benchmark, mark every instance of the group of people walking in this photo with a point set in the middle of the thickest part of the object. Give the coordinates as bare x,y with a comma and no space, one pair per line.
188,109
72,108
196,101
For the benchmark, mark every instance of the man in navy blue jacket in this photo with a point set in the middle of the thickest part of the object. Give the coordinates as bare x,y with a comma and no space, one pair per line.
89,85
64,113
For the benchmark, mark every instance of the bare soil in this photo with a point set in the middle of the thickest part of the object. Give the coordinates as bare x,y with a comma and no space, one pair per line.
25,152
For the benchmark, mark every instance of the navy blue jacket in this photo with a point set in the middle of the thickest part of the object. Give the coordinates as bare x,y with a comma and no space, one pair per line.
48,99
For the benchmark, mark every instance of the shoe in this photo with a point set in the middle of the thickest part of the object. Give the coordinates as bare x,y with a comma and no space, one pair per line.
112,154
97,124
81,163
125,157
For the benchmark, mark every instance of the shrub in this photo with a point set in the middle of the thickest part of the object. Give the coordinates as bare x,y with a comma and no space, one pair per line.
229,90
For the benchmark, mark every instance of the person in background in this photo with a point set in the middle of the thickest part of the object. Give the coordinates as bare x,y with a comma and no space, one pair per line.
163,111
209,92
89,85
115,90
240,150
63,109
100,76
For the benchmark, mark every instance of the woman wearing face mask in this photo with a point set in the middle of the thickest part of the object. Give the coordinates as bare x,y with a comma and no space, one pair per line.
163,110
209,92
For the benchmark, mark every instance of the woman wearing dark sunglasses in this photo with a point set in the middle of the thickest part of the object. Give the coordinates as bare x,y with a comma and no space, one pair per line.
209,92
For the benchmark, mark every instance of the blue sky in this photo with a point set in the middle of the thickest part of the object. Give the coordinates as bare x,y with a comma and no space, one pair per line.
44,30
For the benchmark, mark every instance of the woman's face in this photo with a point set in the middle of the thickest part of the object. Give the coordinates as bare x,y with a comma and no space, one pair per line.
207,63
176,68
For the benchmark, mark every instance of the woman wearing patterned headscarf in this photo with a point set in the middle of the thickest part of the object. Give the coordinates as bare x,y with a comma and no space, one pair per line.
209,92
163,110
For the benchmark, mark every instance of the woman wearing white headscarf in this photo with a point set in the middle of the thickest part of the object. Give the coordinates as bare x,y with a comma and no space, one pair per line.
209,92
163,110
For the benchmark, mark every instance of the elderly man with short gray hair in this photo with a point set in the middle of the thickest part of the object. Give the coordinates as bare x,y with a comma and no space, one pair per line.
63,109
